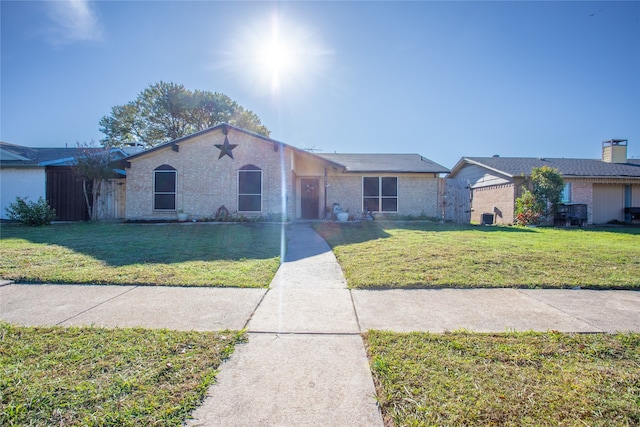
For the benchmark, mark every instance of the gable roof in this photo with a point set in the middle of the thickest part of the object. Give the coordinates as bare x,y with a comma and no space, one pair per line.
223,126
400,163
21,156
349,162
522,166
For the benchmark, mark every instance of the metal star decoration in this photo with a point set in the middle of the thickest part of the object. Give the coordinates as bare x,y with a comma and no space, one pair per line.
225,149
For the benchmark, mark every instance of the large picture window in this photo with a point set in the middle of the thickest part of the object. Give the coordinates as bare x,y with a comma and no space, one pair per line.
380,194
164,188
250,189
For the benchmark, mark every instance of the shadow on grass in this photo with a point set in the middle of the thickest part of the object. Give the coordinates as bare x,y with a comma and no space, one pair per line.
129,244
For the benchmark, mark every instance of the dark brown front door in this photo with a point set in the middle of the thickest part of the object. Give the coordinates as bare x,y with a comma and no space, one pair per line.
310,198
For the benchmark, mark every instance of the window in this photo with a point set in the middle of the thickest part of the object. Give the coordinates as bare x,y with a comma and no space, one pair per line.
164,188
249,189
380,194
565,197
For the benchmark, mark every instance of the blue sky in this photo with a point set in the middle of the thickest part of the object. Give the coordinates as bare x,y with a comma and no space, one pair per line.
443,79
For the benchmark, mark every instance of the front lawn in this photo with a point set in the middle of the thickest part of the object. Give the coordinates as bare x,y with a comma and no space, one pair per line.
509,379
241,255
388,254
52,376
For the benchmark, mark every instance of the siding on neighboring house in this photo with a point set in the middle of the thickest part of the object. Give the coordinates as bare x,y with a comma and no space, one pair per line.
48,173
20,182
481,177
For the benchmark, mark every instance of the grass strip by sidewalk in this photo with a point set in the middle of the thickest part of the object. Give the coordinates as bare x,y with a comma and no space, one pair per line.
54,376
238,255
394,254
509,379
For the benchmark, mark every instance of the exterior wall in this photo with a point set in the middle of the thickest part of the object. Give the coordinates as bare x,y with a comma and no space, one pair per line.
417,193
205,182
608,203
582,192
346,190
604,197
481,177
635,195
20,182
498,200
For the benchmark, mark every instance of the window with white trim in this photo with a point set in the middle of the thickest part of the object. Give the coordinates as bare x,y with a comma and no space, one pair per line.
164,188
250,189
380,194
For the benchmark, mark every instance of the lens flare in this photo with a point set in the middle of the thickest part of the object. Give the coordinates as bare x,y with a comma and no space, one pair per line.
273,55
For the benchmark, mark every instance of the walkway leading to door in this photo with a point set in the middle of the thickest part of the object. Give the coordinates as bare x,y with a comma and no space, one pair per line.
305,363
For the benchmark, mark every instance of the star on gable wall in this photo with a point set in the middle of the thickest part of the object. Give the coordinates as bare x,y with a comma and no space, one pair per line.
226,148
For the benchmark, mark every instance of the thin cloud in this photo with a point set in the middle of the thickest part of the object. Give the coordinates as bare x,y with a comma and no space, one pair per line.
73,21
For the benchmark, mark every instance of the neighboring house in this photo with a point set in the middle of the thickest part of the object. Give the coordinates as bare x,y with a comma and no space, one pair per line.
605,186
253,175
48,173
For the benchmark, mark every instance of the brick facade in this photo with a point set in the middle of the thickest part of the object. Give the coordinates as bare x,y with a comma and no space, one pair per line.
205,182
497,200
582,192
417,193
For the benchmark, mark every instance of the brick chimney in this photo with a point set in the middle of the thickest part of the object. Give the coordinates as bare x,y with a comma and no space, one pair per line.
614,151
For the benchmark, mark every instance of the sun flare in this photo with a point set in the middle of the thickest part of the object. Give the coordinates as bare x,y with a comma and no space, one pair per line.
277,55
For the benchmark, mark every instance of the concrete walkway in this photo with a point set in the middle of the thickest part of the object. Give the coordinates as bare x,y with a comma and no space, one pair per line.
305,363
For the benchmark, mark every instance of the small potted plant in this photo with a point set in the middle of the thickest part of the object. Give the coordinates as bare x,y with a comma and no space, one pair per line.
182,216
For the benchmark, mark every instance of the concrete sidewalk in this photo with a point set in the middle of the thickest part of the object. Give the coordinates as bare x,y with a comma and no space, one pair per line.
305,363
201,309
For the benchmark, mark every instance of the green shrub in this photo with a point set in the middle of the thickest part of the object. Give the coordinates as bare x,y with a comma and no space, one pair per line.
31,213
529,210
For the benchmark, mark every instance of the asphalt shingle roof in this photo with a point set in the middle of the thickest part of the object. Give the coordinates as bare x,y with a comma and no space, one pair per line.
522,166
43,156
384,162
12,155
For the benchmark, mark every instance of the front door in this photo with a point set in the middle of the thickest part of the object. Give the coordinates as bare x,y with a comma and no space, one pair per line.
310,198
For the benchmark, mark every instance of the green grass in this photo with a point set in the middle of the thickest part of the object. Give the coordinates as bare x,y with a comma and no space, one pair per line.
53,376
240,255
510,379
383,254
